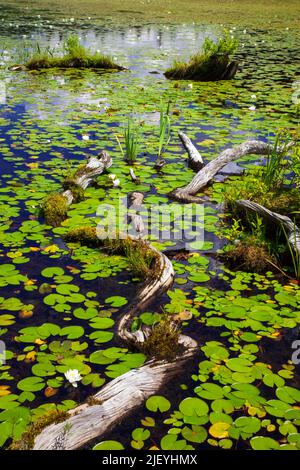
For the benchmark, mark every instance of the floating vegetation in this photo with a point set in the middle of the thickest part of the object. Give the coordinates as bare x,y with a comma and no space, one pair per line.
212,63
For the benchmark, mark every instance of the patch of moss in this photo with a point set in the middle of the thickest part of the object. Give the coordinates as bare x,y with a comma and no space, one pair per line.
284,200
163,341
55,209
28,437
76,190
91,401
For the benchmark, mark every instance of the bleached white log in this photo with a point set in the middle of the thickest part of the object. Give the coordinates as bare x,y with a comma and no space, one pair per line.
195,160
205,175
85,175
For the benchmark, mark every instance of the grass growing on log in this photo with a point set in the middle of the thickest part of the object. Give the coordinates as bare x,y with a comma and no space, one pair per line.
75,56
76,190
55,209
213,62
163,341
141,259
28,437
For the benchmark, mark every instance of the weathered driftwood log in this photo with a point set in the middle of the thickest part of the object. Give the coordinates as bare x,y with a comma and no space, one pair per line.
87,173
124,394
205,175
116,401
291,229
195,160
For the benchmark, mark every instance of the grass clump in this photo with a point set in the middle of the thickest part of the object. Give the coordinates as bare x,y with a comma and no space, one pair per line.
212,63
28,437
250,255
131,138
74,56
141,259
55,209
163,341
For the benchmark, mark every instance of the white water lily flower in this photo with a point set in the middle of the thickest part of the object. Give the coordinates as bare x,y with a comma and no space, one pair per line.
116,183
112,176
73,376
252,108
85,137
190,85
253,97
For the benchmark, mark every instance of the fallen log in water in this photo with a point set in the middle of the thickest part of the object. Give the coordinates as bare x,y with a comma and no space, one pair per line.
206,174
195,160
85,175
291,229
55,207
124,394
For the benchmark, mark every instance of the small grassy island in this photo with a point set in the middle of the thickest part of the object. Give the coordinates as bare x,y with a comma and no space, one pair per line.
75,55
211,63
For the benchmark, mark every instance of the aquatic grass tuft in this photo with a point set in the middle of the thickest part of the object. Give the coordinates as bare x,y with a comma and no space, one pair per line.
75,56
273,171
295,255
163,341
212,63
131,137
164,129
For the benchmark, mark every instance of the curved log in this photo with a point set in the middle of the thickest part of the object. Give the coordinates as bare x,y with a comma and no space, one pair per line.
205,175
292,231
195,160
116,401
124,394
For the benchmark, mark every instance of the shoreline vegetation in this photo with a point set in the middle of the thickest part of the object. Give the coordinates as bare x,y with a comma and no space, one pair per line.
74,56
270,12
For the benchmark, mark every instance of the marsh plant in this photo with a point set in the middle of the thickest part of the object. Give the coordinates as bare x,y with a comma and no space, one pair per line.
212,62
164,129
131,136
273,172
75,55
